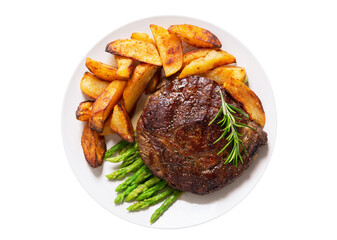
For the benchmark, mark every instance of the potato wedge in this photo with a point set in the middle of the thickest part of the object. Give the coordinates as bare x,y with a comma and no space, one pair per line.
196,36
170,49
83,111
124,66
107,129
103,71
120,123
194,54
142,37
104,104
135,49
93,146
152,85
249,100
92,86
212,60
141,76
223,73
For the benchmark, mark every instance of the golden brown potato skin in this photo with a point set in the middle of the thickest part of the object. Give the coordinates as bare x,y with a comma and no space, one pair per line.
93,146
103,71
139,50
124,66
107,129
170,49
142,74
194,54
142,37
249,100
120,123
212,60
223,73
92,86
152,85
196,36
83,111
104,104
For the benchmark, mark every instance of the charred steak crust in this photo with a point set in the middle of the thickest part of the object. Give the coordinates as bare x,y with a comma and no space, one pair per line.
176,141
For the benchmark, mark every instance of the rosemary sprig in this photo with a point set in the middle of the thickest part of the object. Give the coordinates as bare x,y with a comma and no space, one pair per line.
230,131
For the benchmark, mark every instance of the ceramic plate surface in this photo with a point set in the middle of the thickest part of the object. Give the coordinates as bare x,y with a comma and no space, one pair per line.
190,209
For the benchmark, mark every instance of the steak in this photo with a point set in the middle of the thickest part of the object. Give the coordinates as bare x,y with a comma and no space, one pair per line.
176,141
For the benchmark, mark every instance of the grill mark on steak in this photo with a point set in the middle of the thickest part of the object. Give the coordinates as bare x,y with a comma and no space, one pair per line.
176,142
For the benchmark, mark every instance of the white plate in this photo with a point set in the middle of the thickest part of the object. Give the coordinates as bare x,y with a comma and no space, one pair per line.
190,209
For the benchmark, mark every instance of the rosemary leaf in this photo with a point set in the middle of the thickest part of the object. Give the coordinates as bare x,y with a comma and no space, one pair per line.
230,127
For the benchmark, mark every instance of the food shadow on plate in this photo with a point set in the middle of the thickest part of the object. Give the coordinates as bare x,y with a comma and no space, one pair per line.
229,189
97,172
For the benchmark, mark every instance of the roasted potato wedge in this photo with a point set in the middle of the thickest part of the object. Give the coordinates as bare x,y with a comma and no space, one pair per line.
141,76
93,146
92,86
152,85
107,128
223,73
135,49
104,104
124,66
103,71
212,60
120,123
195,54
170,49
142,37
83,111
249,100
196,36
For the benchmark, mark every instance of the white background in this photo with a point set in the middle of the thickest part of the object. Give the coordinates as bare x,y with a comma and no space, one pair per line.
42,43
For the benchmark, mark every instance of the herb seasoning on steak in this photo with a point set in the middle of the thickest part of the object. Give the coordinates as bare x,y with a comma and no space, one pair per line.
176,141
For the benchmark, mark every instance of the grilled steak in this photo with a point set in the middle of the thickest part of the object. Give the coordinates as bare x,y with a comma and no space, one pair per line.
176,141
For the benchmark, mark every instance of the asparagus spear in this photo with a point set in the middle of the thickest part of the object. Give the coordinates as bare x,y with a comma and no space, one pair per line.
151,191
140,188
120,197
168,202
126,147
115,148
130,180
143,176
120,173
150,201
130,160
125,155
